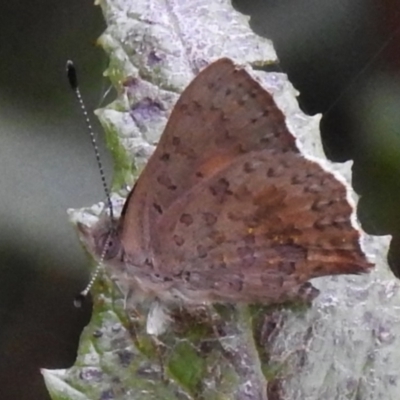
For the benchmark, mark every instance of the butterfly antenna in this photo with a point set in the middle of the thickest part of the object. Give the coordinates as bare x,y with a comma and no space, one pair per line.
73,82
80,298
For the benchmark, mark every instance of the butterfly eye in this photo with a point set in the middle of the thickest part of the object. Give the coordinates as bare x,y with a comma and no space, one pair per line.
109,245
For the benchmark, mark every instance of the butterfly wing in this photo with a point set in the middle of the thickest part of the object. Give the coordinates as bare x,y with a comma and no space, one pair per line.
228,206
221,114
259,228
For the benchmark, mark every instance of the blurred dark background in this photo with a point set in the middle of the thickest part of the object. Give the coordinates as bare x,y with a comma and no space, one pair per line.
343,56
46,166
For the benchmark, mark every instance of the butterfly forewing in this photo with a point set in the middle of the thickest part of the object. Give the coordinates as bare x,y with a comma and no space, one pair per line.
221,114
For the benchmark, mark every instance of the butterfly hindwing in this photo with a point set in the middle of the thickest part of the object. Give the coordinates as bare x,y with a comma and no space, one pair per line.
268,221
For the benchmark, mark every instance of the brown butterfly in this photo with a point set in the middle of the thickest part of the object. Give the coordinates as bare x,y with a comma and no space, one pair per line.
228,209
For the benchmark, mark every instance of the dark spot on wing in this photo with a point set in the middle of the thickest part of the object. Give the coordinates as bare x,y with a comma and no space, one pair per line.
176,141
165,157
179,241
322,204
158,208
186,219
271,172
220,189
248,167
166,181
209,218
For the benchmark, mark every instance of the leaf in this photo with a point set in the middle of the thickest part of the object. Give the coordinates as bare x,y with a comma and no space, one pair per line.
155,48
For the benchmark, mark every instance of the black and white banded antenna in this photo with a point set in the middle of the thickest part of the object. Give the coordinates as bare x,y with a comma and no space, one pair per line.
73,82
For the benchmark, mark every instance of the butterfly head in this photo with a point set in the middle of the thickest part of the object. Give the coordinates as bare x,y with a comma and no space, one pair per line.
102,239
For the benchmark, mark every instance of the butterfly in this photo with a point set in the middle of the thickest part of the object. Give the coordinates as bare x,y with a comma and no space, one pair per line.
228,209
